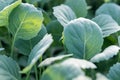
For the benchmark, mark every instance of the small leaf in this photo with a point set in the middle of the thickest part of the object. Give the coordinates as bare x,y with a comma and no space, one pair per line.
22,61
114,73
78,6
9,69
51,60
64,14
101,77
83,38
111,9
38,51
47,18
27,45
67,70
4,37
5,9
56,31
25,21
106,54
1,49
107,24
83,64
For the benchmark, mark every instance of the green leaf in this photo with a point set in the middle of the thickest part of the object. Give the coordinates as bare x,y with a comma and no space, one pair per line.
114,73
44,1
5,9
38,51
106,54
27,45
64,14
25,21
67,70
81,63
83,38
4,35
107,24
78,6
56,29
111,9
32,1
9,69
47,18
101,77
51,60
22,61
1,49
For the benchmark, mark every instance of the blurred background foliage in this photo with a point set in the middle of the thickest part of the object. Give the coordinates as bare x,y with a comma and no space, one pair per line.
47,5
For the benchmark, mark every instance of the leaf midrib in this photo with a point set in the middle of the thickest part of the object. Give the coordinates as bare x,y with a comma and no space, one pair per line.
20,25
85,42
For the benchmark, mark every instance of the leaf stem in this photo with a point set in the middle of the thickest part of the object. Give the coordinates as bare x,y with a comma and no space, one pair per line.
12,47
40,68
36,72
28,75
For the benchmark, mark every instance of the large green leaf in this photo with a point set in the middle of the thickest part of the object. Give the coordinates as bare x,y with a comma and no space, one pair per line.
64,14
107,24
27,45
78,6
106,54
25,21
67,70
83,38
5,9
114,73
9,70
111,9
38,51
51,60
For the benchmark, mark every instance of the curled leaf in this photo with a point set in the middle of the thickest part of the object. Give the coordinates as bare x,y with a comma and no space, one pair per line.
51,60
38,51
106,54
